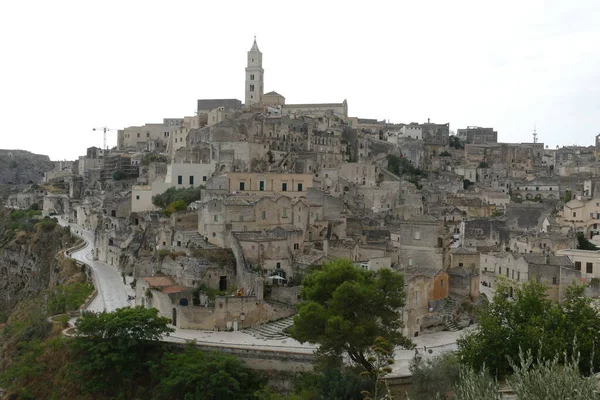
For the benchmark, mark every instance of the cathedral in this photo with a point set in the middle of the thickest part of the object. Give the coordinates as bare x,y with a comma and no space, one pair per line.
255,96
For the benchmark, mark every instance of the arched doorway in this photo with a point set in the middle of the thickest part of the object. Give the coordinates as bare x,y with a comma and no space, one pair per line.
174,317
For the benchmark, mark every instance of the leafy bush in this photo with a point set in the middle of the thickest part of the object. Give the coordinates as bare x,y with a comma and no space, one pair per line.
65,298
177,205
445,154
195,374
172,195
436,376
483,164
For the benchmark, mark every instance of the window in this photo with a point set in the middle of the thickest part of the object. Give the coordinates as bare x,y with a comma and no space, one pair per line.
179,179
261,186
554,280
284,213
284,187
241,218
278,265
499,270
589,268
300,186
191,180
518,275
507,271
242,186
137,197
204,179
252,77
410,261
252,88
513,274
264,215
460,264
442,283
147,134
574,214
417,235
138,135
577,265
296,246
113,213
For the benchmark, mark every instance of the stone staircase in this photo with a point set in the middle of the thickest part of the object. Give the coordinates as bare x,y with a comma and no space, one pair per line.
449,321
271,330
194,237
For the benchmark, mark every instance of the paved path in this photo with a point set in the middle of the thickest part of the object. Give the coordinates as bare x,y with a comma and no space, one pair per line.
112,294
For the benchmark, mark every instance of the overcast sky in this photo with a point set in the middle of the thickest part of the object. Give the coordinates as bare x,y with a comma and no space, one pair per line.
69,66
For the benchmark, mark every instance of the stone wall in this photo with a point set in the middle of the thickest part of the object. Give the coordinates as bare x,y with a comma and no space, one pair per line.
286,294
228,310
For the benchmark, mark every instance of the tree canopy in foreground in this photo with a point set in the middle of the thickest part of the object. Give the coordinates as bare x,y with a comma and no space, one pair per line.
531,322
344,310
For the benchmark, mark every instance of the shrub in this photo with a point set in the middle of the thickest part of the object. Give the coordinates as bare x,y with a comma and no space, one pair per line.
445,154
178,205
172,195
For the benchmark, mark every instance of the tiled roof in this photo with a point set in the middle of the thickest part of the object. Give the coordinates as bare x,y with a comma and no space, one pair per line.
159,281
175,289
552,260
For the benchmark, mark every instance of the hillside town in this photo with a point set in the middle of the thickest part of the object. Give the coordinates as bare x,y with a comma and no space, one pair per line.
215,218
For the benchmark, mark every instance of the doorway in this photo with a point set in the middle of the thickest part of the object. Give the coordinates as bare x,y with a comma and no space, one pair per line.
223,283
174,317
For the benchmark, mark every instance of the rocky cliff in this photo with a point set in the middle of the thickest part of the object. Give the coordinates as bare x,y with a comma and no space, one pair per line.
19,166
29,256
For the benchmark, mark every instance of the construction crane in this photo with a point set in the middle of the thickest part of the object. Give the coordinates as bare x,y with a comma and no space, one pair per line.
104,129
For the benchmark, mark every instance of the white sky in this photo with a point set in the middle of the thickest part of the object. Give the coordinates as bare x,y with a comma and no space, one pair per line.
69,66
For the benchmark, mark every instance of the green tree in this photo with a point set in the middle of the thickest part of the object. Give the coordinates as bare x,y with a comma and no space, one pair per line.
345,309
454,142
435,376
568,196
584,244
172,195
198,375
331,383
177,205
531,322
483,164
113,350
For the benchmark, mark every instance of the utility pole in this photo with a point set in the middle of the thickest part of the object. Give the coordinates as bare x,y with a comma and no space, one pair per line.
103,129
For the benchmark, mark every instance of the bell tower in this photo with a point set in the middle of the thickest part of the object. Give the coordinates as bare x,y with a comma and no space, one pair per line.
254,76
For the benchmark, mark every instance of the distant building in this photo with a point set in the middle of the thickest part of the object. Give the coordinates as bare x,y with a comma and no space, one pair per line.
478,135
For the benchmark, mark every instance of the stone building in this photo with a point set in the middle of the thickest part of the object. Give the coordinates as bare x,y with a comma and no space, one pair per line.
272,251
477,135
585,261
484,232
293,185
422,241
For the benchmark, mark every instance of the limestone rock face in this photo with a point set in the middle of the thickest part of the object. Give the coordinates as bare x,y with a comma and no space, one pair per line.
28,262
19,167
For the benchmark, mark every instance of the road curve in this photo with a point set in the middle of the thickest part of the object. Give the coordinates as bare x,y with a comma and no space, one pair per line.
112,293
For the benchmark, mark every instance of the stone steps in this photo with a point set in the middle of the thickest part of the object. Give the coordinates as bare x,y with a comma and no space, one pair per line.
271,330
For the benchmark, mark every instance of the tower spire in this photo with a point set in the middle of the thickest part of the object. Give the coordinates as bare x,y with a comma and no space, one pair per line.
534,134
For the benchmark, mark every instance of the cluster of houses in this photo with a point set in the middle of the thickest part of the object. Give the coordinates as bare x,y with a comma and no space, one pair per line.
288,186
